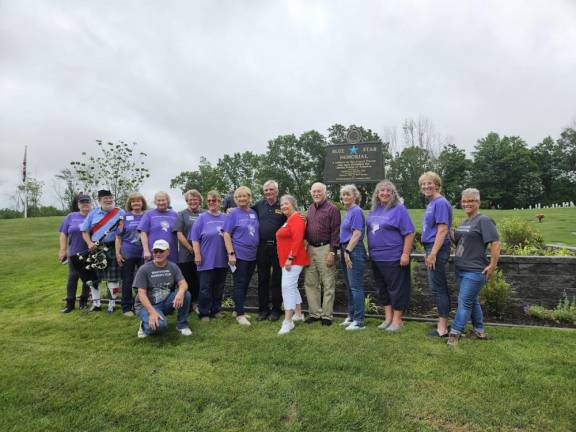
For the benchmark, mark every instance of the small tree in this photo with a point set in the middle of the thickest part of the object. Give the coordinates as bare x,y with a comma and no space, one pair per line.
117,167
31,192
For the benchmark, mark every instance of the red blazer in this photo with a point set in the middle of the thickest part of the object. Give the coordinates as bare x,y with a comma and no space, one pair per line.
290,241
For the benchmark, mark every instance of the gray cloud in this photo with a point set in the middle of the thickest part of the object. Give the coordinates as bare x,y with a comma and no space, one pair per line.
186,79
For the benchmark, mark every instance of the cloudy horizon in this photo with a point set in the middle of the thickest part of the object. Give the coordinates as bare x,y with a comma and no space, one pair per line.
192,79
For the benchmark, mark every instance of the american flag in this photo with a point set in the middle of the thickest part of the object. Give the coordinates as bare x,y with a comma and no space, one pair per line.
24,165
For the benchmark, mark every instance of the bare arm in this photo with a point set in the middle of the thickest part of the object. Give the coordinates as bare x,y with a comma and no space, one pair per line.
184,241
144,240
179,299
154,318
88,240
229,248
117,247
63,247
495,248
407,249
438,242
197,256
356,234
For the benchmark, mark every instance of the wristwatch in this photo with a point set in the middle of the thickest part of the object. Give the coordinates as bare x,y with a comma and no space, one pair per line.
347,251
291,258
231,253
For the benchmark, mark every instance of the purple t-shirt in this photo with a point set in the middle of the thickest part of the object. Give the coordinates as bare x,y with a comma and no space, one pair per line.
387,228
208,231
353,220
243,227
71,227
131,244
438,211
159,225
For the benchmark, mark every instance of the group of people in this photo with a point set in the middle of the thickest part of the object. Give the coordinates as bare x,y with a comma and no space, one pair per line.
180,260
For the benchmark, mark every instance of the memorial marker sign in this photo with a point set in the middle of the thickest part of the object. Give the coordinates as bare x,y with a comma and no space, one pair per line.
350,163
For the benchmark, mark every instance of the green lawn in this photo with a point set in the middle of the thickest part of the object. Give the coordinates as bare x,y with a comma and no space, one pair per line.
90,372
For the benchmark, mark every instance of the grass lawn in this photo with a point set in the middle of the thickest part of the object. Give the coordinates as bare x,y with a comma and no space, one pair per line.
90,372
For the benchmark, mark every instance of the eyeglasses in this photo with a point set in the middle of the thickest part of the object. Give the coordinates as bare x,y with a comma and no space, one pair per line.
158,251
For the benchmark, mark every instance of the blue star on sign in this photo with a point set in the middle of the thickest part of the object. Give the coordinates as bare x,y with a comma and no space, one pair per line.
354,150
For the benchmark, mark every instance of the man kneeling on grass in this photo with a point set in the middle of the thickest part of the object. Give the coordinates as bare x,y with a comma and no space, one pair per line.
161,289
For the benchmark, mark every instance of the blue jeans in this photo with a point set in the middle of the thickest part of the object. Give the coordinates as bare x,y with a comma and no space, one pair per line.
469,284
353,278
128,270
242,276
437,279
164,308
211,291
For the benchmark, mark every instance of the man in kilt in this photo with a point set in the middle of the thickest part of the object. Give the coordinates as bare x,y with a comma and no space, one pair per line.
103,221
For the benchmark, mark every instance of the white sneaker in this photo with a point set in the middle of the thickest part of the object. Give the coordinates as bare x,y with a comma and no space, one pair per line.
298,317
111,307
242,320
185,331
287,327
384,325
128,314
141,333
346,322
355,326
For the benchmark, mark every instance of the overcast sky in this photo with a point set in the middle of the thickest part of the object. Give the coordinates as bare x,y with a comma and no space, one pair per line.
186,79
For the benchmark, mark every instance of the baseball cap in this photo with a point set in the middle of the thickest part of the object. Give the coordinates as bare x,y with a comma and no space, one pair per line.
161,244
84,198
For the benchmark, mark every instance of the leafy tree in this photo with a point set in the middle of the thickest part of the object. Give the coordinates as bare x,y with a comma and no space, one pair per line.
67,186
117,167
405,170
567,144
241,169
505,173
204,179
31,194
295,163
455,170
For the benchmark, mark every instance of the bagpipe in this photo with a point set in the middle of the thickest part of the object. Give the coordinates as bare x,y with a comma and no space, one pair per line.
88,263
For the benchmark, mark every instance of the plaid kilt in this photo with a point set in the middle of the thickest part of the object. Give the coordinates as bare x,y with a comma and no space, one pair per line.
112,272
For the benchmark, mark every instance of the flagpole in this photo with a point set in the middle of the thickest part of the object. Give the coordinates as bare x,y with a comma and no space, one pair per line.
25,185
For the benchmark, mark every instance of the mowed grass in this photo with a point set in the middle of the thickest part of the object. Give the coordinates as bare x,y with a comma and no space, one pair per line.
90,372
558,225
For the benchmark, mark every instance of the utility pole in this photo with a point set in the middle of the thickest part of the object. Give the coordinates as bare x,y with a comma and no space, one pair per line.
24,181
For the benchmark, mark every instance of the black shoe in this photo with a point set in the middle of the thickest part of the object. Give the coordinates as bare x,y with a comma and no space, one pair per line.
311,320
95,309
262,316
82,305
69,308
326,322
274,316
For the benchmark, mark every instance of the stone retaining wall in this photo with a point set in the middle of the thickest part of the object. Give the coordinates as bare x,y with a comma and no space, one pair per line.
534,280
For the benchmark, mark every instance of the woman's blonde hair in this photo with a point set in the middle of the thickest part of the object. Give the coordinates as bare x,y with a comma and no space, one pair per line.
133,197
194,193
433,177
381,185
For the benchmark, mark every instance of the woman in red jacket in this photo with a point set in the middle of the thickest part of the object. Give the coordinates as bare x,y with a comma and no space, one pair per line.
292,257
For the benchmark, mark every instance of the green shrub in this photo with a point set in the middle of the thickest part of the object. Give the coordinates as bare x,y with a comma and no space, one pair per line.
565,311
517,233
495,296
369,305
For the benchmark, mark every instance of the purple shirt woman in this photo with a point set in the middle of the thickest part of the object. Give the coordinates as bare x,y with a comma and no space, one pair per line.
436,224
158,224
72,243
210,257
241,236
390,237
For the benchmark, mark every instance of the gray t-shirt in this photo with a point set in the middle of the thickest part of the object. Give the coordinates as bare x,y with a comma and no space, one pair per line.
183,224
472,236
158,281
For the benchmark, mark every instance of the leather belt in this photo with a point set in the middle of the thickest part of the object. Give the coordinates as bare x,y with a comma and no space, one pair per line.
318,244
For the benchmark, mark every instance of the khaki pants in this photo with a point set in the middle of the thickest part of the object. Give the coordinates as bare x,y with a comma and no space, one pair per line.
319,275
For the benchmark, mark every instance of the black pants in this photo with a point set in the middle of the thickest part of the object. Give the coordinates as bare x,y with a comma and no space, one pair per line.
72,285
191,275
269,278
128,270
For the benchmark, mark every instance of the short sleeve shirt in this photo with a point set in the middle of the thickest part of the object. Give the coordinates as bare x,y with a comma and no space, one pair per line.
131,246
158,282
184,223
96,216
472,236
386,229
243,227
159,225
438,211
208,231
71,227
353,220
